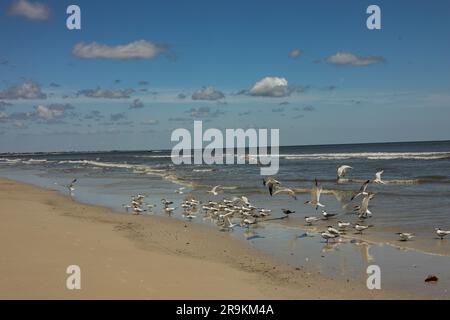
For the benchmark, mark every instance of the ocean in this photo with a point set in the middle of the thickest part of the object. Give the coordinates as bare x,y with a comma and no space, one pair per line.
415,198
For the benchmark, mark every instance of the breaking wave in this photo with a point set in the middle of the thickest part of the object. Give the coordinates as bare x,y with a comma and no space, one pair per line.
369,156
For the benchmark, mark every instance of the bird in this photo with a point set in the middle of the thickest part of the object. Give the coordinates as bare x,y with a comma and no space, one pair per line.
404,236
180,190
71,186
360,228
287,212
362,190
315,195
247,222
137,210
214,190
228,222
342,171
310,220
166,203
333,230
288,191
327,215
169,210
243,200
327,236
343,225
441,233
378,177
270,183
363,209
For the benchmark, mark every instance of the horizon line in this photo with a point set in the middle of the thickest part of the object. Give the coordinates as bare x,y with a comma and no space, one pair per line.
162,150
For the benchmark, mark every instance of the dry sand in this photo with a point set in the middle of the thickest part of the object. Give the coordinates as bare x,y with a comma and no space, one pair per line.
138,257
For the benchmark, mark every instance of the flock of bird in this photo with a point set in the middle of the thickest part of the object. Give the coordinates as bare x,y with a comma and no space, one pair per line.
235,211
362,210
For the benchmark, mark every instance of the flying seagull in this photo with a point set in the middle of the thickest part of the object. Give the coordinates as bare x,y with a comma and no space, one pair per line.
180,190
362,190
270,183
315,195
214,190
287,191
342,171
363,209
378,177
71,186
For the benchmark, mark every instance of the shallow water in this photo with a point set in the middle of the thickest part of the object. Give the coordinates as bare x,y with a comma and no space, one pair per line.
415,199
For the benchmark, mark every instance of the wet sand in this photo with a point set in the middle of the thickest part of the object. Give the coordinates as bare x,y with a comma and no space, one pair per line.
140,257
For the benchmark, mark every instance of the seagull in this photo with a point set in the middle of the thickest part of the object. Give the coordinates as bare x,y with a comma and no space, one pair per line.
180,190
327,236
71,186
288,191
362,190
327,215
287,212
169,210
333,230
228,223
247,222
360,228
404,236
311,220
378,177
342,171
244,200
166,203
363,209
270,183
315,195
137,210
343,225
441,233
214,190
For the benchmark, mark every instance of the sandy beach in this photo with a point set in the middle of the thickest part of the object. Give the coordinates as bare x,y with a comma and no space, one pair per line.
138,257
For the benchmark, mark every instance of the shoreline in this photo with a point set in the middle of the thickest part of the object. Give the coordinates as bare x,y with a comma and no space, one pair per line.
140,257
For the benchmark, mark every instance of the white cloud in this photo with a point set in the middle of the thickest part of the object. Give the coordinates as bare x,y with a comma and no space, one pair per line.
52,111
47,113
105,93
137,104
350,59
207,93
150,122
29,10
28,90
270,87
134,50
295,53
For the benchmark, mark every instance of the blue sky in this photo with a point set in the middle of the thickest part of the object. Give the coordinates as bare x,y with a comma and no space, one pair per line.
227,63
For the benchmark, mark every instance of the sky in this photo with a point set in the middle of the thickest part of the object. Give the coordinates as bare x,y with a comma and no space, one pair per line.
139,69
